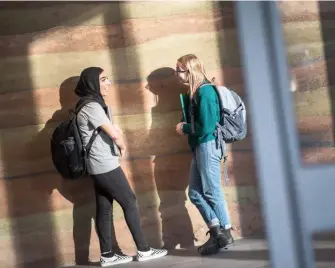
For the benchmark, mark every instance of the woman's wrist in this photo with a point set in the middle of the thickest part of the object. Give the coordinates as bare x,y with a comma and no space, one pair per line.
181,127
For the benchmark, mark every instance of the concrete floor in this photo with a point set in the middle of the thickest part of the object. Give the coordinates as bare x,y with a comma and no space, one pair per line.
247,253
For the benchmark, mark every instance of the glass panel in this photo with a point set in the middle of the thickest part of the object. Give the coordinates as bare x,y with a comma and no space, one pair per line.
309,35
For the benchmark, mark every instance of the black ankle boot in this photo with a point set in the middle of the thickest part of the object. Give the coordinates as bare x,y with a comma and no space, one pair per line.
226,239
213,245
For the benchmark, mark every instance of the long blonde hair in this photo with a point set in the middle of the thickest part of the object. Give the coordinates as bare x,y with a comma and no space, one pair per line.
195,72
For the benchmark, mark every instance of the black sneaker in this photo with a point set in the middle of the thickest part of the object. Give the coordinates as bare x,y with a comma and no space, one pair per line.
214,243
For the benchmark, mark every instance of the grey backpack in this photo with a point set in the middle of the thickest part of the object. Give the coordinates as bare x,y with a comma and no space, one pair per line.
232,126
233,122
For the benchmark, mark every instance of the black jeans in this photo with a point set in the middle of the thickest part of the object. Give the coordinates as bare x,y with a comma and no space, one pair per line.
112,186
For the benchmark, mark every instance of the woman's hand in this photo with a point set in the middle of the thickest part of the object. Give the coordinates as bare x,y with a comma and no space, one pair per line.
179,128
114,134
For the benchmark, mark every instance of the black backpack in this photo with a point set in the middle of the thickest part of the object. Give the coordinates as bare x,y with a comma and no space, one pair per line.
68,153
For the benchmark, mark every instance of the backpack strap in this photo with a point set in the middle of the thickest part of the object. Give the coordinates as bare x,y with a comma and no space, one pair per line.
220,143
191,110
81,103
93,137
225,170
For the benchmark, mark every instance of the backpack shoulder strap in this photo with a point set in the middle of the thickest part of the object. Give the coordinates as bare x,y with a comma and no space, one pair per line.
218,95
206,84
81,103
195,102
90,142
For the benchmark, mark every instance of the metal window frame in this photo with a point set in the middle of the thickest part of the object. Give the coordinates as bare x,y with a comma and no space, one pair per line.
297,200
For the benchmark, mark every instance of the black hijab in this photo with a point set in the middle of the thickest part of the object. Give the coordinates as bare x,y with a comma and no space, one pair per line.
88,86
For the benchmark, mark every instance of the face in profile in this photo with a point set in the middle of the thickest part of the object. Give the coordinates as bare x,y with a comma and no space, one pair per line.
181,73
104,84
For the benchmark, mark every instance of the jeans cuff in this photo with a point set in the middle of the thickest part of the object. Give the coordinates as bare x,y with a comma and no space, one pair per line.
213,222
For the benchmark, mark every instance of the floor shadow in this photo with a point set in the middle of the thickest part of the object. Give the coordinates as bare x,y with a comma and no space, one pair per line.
171,175
322,255
79,192
255,251
229,254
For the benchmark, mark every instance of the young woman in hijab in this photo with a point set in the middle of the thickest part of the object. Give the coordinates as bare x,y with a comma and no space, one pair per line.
110,182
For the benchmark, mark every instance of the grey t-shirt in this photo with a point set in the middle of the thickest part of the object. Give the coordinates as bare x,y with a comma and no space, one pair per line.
101,159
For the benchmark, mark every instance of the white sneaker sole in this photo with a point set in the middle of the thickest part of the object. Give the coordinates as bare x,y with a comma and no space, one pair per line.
105,264
152,257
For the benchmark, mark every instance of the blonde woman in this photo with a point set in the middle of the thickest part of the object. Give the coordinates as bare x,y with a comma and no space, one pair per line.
205,189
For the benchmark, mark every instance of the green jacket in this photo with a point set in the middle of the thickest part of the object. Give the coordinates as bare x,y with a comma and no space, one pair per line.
206,114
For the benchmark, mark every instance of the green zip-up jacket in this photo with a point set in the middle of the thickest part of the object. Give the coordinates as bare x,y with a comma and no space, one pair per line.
206,114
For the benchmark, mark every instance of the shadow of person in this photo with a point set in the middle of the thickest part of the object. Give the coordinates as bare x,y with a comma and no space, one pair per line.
79,192
171,166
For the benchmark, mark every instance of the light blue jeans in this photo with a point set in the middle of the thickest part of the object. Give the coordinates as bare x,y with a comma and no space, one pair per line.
205,189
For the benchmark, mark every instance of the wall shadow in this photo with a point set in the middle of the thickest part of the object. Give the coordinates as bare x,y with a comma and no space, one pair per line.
241,161
29,230
127,71
27,186
171,178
